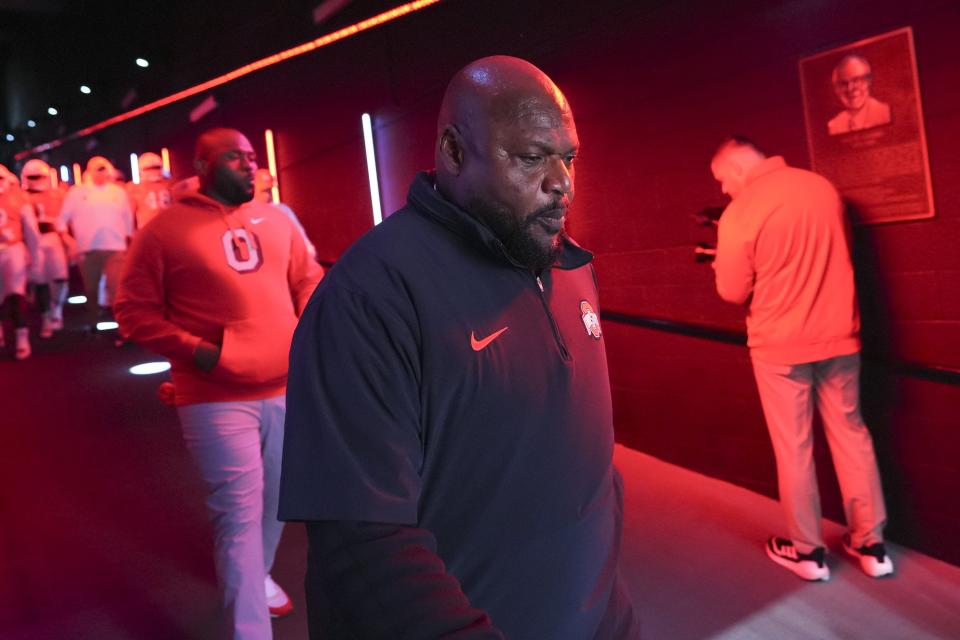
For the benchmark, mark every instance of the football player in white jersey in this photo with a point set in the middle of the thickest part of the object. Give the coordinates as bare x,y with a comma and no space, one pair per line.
19,241
53,267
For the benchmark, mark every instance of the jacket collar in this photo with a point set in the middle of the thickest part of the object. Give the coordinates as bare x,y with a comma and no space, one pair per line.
425,198
200,201
766,166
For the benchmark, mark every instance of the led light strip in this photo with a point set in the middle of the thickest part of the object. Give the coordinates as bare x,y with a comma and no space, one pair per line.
247,69
272,165
134,168
371,168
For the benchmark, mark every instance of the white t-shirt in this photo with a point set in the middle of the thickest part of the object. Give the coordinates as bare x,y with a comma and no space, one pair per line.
100,217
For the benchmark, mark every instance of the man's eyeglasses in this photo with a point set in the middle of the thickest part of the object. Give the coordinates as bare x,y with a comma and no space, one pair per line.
856,81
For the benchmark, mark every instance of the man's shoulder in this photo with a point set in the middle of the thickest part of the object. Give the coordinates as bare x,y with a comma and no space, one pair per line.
391,252
12,199
788,173
785,186
879,112
265,210
838,123
174,219
397,238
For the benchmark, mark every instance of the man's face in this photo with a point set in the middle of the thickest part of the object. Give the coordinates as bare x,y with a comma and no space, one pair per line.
522,181
851,82
37,182
263,183
230,168
101,172
730,176
151,174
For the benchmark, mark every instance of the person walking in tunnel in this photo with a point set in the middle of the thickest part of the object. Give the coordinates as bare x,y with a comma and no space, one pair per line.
19,258
47,200
217,287
449,436
152,195
98,213
783,250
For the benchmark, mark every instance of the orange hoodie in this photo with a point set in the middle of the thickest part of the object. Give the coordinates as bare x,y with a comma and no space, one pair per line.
782,245
237,277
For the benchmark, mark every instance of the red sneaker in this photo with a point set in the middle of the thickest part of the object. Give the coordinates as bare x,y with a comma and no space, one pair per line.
278,601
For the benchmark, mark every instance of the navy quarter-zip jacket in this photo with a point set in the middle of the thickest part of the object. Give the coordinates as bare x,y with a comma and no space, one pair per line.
463,403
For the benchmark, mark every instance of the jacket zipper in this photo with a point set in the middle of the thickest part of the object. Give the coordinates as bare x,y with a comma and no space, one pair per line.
553,323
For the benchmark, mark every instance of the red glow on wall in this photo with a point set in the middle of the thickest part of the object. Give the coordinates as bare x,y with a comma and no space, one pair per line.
307,47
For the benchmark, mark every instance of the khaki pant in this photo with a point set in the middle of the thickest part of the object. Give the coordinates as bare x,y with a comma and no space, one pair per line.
93,264
788,394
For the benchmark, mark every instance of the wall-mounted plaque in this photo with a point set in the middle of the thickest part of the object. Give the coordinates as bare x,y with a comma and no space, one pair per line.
865,126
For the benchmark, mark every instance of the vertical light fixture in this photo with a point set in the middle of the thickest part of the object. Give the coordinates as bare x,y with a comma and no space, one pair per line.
134,169
54,178
272,165
77,173
165,158
64,173
371,168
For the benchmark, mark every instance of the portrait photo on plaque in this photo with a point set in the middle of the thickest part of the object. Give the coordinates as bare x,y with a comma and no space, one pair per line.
865,131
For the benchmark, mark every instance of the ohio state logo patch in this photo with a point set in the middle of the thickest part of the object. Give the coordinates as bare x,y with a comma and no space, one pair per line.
242,250
590,320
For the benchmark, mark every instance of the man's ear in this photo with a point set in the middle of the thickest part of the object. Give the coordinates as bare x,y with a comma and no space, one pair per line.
737,168
451,150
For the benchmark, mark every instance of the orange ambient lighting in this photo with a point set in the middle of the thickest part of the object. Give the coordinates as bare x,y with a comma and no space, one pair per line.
272,165
246,69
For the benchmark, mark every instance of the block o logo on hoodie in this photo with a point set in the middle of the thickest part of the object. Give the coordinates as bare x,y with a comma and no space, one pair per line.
242,249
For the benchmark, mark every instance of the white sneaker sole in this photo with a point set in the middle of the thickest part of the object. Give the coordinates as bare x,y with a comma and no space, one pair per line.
806,569
869,564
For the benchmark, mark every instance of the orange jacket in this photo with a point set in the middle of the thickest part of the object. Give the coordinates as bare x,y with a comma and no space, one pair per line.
782,245
237,277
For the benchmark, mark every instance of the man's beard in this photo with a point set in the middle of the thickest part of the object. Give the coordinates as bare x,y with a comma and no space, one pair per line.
234,191
517,235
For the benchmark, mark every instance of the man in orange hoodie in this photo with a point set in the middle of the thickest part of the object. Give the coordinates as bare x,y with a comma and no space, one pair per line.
217,288
782,248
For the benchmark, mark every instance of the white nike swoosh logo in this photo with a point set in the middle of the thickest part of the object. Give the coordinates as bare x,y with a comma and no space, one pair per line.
479,345
256,220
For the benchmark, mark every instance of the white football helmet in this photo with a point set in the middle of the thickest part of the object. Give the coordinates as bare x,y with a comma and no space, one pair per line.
35,175
151,167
